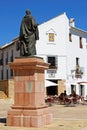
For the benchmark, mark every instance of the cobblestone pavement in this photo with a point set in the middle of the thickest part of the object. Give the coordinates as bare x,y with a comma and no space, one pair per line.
64,118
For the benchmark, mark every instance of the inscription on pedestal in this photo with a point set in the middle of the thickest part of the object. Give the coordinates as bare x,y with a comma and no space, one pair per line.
35,76
41,86
17,78
29,87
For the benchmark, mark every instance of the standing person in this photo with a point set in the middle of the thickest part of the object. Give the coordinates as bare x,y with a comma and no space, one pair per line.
28,35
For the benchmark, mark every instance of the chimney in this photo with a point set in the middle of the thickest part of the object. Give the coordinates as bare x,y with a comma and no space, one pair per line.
72,22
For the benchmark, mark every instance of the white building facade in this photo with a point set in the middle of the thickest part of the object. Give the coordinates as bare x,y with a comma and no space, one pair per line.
63,46
76,61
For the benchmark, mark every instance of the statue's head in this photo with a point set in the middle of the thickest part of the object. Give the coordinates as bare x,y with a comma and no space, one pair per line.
28,12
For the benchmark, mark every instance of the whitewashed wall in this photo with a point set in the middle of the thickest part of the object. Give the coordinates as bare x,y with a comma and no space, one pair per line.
45,48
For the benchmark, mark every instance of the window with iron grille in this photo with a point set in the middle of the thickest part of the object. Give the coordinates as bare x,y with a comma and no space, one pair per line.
53,62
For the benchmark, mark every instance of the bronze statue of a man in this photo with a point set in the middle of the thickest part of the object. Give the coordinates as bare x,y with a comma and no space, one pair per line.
28,35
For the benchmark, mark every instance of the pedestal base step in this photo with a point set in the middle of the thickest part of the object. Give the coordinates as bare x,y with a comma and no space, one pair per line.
29,118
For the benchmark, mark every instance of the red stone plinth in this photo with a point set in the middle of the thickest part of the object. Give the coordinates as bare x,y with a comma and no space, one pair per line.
29,109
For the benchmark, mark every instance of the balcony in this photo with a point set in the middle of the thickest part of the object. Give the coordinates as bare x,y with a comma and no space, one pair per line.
78,73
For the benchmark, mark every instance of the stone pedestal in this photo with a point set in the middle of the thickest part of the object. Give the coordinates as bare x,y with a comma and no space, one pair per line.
29,109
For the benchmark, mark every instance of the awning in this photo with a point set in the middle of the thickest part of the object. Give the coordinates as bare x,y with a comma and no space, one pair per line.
82,83
69,83
50,83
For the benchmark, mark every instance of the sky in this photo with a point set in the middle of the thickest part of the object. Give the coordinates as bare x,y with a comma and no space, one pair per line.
12,12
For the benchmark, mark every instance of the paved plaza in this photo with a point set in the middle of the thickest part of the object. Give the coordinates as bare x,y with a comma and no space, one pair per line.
64,117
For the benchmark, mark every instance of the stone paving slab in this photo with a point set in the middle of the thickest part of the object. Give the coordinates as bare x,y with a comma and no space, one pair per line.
56,125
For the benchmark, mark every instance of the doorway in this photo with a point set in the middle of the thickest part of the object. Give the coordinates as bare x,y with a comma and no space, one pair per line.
81,90
52,90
